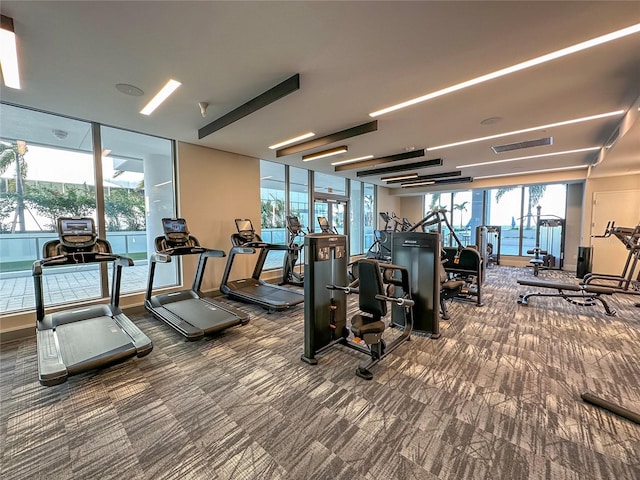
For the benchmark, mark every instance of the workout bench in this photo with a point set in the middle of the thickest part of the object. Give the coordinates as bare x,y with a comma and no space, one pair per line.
586,295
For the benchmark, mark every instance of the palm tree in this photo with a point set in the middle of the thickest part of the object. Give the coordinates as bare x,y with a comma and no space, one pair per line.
10,154
463,208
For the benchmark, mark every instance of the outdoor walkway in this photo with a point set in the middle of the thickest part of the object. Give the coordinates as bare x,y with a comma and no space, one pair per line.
62,285
17,293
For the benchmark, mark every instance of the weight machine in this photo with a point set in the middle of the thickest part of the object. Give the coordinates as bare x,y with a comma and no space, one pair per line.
625,282
460,262
325,306
545,258
488,238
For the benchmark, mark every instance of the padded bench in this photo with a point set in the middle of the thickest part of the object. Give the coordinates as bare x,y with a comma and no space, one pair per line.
586,295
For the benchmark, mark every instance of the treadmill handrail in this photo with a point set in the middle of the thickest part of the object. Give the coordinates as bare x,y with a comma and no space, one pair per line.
79,258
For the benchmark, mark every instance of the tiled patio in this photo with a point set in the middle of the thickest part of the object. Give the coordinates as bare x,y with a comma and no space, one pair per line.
17,292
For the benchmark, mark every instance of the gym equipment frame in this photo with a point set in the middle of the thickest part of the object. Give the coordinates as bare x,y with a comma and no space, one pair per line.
325,316
583,295
86,337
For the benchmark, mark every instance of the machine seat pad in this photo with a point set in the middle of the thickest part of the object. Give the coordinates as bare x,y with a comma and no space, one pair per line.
361,325
536,260
568,286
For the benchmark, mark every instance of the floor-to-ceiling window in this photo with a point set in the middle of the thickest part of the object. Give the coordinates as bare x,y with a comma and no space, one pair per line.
368,213
504,209
512,208
137,179
330,198
356,218
48,169
299,203
273,210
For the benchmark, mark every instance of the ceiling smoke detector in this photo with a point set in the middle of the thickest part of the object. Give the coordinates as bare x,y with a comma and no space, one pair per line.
131,90
59,134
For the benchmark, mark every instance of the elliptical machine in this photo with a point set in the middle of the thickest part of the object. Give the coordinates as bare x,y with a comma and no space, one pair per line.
290,260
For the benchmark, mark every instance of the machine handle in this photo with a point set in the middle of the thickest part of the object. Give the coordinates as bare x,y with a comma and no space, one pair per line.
403,302
348,290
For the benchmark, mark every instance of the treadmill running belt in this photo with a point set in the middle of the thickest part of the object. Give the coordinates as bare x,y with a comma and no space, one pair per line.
202,314
85,344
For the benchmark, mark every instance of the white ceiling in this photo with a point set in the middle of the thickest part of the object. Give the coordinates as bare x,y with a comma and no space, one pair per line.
353,58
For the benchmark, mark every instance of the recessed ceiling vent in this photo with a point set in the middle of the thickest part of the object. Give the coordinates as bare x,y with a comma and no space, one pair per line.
520,145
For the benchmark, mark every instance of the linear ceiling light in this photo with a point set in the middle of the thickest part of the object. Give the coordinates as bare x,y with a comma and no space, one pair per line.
445,181
436,162
559,169
515,68
9,53
566,152
351,160
399,177
418,184
324,153
541,127
382,160
331,138
434,176
292,140
160,97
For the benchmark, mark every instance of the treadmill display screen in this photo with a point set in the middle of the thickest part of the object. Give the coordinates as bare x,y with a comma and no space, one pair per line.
174,225
76,226
244,226
324,224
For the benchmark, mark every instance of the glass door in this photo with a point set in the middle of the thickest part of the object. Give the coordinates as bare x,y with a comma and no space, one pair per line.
333,209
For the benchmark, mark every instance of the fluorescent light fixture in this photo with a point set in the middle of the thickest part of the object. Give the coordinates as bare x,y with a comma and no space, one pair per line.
267,177
160,97
324,153
106,152
351,160
417,184
541,127
292,140
559,169
566,152
9,53
399,177
515,68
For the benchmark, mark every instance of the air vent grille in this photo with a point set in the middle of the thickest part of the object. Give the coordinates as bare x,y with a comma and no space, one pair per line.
508,147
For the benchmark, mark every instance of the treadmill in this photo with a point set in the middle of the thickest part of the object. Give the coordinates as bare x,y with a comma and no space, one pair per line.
89,337
254,290
187,311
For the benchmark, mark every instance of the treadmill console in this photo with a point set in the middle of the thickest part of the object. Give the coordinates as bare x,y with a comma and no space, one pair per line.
294,225
77,232
245,229
324,225
175,230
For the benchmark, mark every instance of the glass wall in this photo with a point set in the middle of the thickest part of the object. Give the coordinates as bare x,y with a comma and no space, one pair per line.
368,214
273,210
513,208
299,195
324,183
286,186
504,209
356,246
137,179
48,169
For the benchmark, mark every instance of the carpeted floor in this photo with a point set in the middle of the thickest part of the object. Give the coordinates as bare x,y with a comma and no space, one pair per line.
496,397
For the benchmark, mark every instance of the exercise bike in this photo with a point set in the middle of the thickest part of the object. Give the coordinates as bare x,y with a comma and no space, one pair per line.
289,274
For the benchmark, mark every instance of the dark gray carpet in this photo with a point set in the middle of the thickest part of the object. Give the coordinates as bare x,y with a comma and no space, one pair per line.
498,396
